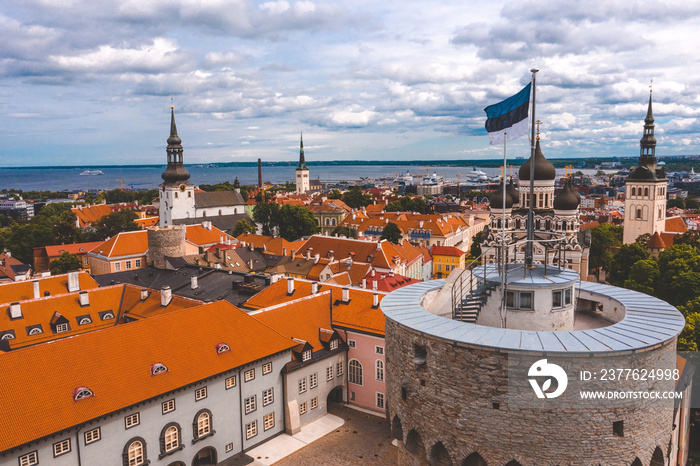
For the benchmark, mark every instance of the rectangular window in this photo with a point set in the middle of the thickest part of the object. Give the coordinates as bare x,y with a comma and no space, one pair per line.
131,421
302,408
267,368
92,436
229,447
230,382
268,396
200,394
137,263
340,368
525,300
30,459
334,345
379,349
249,375
351,343
306,355
313,380
62,447
557,298
302,385
439,267
329,373
269,421
567,296
117,266
128,265
250,404
168,406
314,402
380,400
251,430
62,328
510,299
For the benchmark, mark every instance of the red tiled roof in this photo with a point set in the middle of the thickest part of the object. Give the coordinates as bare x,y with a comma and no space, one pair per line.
127,243
77,248
6,263
446,251
88,215
675,225
655,242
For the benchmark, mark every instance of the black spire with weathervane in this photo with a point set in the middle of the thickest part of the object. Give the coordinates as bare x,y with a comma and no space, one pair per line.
302,161
175,172
646,167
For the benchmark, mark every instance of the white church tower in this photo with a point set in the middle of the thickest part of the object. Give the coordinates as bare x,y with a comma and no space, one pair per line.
645,189
176,192
302,171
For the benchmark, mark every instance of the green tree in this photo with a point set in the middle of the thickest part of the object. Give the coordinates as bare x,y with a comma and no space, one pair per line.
296,221
116,222
689,339
643,239
64,264
604,239
342,230
65,229
679,267
244,226
643,276
691,238
335,194
266,214
623,260
391,233
692,203
24,238
355,198
677,203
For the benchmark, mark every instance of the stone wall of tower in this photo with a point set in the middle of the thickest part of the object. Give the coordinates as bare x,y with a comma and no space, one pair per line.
176,203
165,242
645,210
303,182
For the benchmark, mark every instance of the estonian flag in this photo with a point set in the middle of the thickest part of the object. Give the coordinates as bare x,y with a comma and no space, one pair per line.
508,116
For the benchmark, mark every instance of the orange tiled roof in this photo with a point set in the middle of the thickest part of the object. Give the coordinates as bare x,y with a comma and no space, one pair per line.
655,242
356,270
273,245
39,381
77,248
197,234
378,253
342,279
446,251
88,215
126,243
668,238
144,223
675,225
57,284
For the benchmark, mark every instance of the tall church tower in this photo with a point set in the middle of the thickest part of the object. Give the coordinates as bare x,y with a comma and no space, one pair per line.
645,189
302,172
176,192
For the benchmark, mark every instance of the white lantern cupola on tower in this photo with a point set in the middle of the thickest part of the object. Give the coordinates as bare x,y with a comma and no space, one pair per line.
176,192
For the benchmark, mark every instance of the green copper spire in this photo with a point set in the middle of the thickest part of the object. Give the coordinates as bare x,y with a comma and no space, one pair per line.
302,161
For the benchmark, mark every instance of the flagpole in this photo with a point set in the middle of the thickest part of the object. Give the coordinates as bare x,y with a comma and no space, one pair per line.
530,213
503,237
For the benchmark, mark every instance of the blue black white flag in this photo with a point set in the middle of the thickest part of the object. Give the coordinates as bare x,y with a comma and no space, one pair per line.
509,116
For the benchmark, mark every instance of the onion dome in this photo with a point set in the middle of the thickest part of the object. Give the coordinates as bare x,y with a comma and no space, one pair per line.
513,192
544,170
497,199
175,172
566,199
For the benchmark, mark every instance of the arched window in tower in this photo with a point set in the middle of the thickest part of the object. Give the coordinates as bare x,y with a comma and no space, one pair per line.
646,192
538,224
634,191
499,224
660,213
189,193
517,224
548,224
639,213
546,200
564,225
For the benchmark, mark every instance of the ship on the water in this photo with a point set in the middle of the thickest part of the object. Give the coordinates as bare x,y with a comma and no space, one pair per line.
91,172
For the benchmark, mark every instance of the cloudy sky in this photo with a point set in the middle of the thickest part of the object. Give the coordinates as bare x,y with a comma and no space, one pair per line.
91,82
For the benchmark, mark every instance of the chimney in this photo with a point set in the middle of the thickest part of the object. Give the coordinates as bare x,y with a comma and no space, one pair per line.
383,277
166,295
317,257
250,264
144,294
374,285
15,311
84,298
290,285
314,288
251,246
45,274
193,283
73,284
364,283
228,240
284,251
308,254
37,292
346,294
375,300
391,274
221,238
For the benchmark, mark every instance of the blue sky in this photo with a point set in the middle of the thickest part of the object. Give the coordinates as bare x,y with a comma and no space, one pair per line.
85,82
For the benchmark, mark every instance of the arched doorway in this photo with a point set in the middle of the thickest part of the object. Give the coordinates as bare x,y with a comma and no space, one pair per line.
397,429
474,459
335,395
439,455
657,459
636,462
205,457
414,444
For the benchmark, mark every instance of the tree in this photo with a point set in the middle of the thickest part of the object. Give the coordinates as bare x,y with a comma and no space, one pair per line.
623,260
391,233
296,221
355,198
335,194
677,203
116,222
679,267
64,228
643,276
22,239
692,203
690,237
689,339
643,239
342,230
475,248
266,214
604,239
64,264
242,227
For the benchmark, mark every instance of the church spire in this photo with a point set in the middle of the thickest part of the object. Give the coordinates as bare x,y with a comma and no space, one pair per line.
302,161
647,150
175,172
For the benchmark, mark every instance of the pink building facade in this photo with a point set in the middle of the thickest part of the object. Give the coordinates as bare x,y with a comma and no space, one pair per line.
365,370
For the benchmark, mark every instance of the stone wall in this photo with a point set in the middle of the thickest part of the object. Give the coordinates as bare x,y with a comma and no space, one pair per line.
165,242
455,406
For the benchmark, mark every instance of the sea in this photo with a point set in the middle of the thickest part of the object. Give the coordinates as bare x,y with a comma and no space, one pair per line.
148,177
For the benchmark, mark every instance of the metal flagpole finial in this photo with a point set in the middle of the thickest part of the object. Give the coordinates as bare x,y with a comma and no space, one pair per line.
651,83
538,123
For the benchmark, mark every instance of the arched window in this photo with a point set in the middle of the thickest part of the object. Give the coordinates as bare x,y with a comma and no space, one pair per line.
639,213
646,192
379,370
172,439
334,222
81,393
548,224
222,348
135,453
546,199
564,225
634,191
203,425
189,193
158,368
355,372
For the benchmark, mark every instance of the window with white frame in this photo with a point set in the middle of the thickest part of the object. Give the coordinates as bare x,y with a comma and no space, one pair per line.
230,382
229,447
269,421
250,404
203,424
131,420
61,448
171,438
30,459
200,394
267,368
268,396
251,429
379,365
302,385
302,408
92,436
249,375
62,328
334,345
314,402
380,401
137,263
557,298
567,296
117,266
135,453
128,265
313,380
351,343
355,372
168,406
329,373
340,368
379,350
306,355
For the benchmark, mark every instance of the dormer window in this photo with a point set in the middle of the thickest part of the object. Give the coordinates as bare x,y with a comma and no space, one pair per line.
9,335
62,328
84,320
222,348
34,330
106,315
306,355
81,393
158,368
334,345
